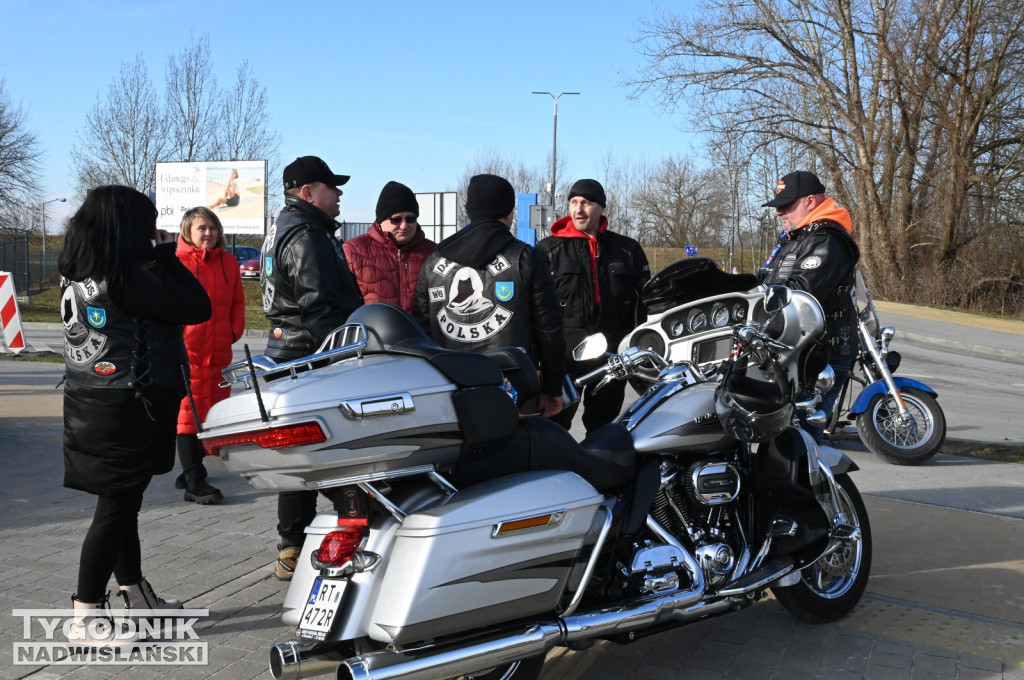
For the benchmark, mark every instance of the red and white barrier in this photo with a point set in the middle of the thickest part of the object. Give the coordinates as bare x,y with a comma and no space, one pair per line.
9,314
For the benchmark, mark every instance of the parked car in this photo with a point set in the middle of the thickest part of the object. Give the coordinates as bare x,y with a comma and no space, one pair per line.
250,269
244,253
248,260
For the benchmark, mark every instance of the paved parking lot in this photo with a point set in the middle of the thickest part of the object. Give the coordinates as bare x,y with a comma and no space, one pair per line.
219,558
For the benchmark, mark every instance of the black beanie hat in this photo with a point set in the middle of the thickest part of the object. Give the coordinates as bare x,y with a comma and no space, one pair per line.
589,189
395,198
489,196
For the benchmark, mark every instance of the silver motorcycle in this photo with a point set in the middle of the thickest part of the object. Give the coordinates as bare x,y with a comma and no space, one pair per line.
471,541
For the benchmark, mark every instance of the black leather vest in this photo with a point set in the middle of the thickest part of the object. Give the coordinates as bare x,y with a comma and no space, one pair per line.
478,309
105,348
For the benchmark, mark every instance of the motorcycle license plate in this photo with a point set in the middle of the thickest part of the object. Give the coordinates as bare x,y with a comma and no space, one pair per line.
321,608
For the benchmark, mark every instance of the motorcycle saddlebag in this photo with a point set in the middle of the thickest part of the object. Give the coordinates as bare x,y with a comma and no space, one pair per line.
493,552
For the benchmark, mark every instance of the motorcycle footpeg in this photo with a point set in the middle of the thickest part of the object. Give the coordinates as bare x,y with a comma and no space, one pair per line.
773,569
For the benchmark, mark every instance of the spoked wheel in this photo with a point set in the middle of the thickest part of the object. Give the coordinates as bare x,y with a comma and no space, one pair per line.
898,441
832,586
528,669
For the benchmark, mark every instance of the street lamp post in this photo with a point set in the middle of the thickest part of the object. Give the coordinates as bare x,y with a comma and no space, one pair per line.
43,263
554,145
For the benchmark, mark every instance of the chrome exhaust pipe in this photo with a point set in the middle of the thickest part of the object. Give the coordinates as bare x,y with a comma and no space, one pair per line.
430,663
298,659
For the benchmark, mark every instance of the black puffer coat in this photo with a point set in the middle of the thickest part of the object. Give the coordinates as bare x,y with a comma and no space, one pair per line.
124,379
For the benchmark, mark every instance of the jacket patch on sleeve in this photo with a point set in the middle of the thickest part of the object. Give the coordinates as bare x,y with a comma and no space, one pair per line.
504,290
268,265
436,294
812,262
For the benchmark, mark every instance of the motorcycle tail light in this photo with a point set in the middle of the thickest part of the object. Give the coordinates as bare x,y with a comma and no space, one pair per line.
338,546
281,437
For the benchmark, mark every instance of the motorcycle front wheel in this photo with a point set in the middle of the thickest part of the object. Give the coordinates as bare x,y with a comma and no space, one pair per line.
898,442
832,586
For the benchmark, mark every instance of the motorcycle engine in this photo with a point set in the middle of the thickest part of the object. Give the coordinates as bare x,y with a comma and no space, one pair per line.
695,505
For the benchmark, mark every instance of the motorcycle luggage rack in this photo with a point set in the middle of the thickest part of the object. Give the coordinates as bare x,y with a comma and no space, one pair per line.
342,343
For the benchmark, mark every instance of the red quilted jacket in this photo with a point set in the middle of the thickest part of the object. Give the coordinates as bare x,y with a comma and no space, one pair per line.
387,273
209,344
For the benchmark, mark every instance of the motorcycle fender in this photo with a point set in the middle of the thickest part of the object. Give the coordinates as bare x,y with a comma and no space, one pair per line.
837,461
878,387
496,551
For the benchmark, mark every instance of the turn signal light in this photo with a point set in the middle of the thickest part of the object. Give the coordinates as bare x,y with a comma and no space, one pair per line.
281,437
338,547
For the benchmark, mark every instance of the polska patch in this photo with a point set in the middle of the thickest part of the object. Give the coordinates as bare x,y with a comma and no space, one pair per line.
473,332
504,290
812,262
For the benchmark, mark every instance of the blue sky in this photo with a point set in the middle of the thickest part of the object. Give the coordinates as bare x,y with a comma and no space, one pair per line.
408,90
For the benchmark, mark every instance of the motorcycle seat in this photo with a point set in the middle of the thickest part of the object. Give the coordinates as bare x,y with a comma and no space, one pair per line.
606,459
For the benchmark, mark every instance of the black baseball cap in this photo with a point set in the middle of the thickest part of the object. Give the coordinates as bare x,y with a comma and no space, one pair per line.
309,169
793,186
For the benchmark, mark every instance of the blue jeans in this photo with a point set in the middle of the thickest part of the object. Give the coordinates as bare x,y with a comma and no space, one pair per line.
828,400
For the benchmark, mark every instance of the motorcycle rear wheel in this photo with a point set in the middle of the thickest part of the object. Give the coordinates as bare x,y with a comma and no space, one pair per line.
832,586
899,443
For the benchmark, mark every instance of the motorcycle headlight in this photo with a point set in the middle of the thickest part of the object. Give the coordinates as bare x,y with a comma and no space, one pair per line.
826,380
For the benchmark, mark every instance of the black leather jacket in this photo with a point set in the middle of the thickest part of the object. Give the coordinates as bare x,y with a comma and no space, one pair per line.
308,289
821,259
483,289
622,271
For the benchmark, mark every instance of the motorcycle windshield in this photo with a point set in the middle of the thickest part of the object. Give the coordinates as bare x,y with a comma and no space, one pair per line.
689,280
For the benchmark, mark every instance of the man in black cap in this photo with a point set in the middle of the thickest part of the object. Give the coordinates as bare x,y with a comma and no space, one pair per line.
308,291
484,289
598,275
817,254
387,259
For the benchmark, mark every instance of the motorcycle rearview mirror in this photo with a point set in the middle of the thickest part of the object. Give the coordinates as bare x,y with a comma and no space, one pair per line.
775,298
592,347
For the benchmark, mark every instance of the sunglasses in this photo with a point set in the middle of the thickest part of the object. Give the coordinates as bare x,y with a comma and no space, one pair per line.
399,220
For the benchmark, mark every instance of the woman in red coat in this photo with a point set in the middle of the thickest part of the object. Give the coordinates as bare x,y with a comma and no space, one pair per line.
387,259
201,250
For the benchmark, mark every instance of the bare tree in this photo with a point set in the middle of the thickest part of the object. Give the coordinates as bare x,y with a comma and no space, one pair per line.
910,110
191,104
19,155
679,205
124,136
244,131
522,178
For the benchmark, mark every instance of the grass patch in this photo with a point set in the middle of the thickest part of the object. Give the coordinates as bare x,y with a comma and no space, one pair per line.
45,307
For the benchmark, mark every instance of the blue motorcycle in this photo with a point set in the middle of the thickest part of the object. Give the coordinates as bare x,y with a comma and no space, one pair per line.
897,418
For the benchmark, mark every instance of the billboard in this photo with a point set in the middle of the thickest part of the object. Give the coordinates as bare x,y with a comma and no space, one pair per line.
235,190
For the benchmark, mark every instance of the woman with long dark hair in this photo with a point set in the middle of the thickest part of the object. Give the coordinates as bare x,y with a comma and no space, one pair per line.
124,299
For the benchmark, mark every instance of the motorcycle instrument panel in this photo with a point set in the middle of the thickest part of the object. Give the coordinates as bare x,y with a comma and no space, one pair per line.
705,317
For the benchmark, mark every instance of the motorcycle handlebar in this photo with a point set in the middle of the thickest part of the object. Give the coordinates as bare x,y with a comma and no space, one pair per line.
621,366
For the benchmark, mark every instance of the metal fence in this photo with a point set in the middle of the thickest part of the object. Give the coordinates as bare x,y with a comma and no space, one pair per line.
30,271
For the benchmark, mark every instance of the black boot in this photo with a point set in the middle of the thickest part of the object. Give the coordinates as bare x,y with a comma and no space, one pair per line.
198,491
193,479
